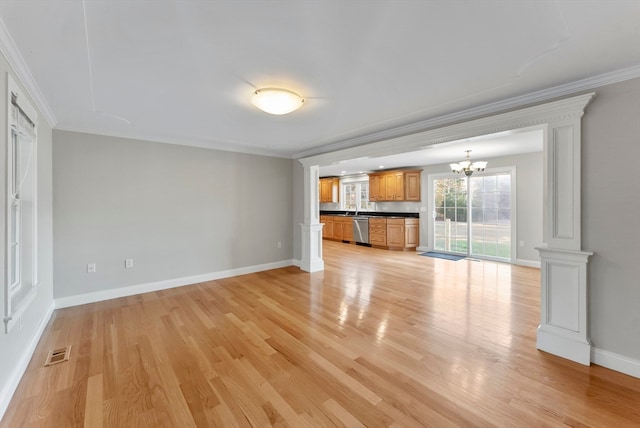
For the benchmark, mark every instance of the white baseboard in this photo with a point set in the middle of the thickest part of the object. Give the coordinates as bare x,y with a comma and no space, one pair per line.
296,262
529,263
7,391
423,249
114,293
615,362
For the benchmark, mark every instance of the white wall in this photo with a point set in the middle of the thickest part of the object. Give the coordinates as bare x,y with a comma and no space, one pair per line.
177,211
298,208
17,346
611,217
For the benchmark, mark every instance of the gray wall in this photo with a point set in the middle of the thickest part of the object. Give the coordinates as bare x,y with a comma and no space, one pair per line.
177,211
611,216
15,346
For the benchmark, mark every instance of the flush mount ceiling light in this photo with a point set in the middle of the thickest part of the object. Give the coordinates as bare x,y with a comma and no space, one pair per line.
467,166
276,101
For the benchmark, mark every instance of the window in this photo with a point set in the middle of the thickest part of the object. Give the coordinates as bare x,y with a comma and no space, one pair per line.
350,196
21,217
355,194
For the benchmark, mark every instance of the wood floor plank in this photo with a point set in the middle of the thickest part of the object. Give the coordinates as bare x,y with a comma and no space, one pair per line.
379,338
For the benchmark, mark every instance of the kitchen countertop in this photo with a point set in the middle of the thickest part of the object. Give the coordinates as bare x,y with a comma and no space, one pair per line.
371,214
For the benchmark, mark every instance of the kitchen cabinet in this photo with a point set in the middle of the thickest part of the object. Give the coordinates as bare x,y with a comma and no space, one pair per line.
347,228
412,186
396,186
378,232
338,228
327,230
329,190
374,187
389,187
402,233
391,233
395,232
411,233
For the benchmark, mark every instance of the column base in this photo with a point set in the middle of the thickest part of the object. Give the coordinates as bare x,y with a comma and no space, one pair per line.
563,329
312,248
564,347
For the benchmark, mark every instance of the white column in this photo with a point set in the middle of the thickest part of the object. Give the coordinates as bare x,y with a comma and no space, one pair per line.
563,328
311,228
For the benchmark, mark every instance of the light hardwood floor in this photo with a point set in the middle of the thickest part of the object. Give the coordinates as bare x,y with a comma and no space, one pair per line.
379,338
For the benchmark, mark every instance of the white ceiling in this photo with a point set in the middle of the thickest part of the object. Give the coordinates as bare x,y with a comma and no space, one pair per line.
184,71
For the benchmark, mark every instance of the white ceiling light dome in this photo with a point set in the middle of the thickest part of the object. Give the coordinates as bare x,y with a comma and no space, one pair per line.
276,100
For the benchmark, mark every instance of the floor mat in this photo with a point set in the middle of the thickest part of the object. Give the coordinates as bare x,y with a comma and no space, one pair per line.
436,255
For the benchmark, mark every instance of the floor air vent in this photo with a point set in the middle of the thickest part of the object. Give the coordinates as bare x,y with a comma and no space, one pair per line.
59,355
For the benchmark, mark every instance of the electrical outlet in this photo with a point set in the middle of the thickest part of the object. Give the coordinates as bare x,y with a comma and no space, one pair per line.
128,263
91,268
522,243
279,244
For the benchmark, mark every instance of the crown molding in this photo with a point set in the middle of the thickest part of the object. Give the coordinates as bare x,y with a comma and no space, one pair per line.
201,143
525,117
23,74
532,98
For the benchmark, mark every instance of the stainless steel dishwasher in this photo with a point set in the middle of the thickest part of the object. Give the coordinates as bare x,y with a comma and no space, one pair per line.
361,230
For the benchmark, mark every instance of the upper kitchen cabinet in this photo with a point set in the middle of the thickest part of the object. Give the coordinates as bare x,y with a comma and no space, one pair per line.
329,190
374,187
397,186
412,186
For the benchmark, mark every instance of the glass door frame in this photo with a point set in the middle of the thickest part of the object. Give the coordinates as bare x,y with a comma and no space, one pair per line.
513,208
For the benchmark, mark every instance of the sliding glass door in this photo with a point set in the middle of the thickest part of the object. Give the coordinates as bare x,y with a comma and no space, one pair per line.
476,210
450,219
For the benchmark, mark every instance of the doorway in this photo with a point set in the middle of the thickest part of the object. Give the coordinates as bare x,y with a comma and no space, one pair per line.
475,215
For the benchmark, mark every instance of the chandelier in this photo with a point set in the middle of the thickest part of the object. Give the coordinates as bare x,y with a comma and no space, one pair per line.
467,166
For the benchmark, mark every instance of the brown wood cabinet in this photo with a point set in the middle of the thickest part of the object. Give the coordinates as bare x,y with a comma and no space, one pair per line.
411,233
338,228
402,233
388,233
395,186
392,190
374,187
378,232
395,232
329,190
412,186
347,228
327,230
